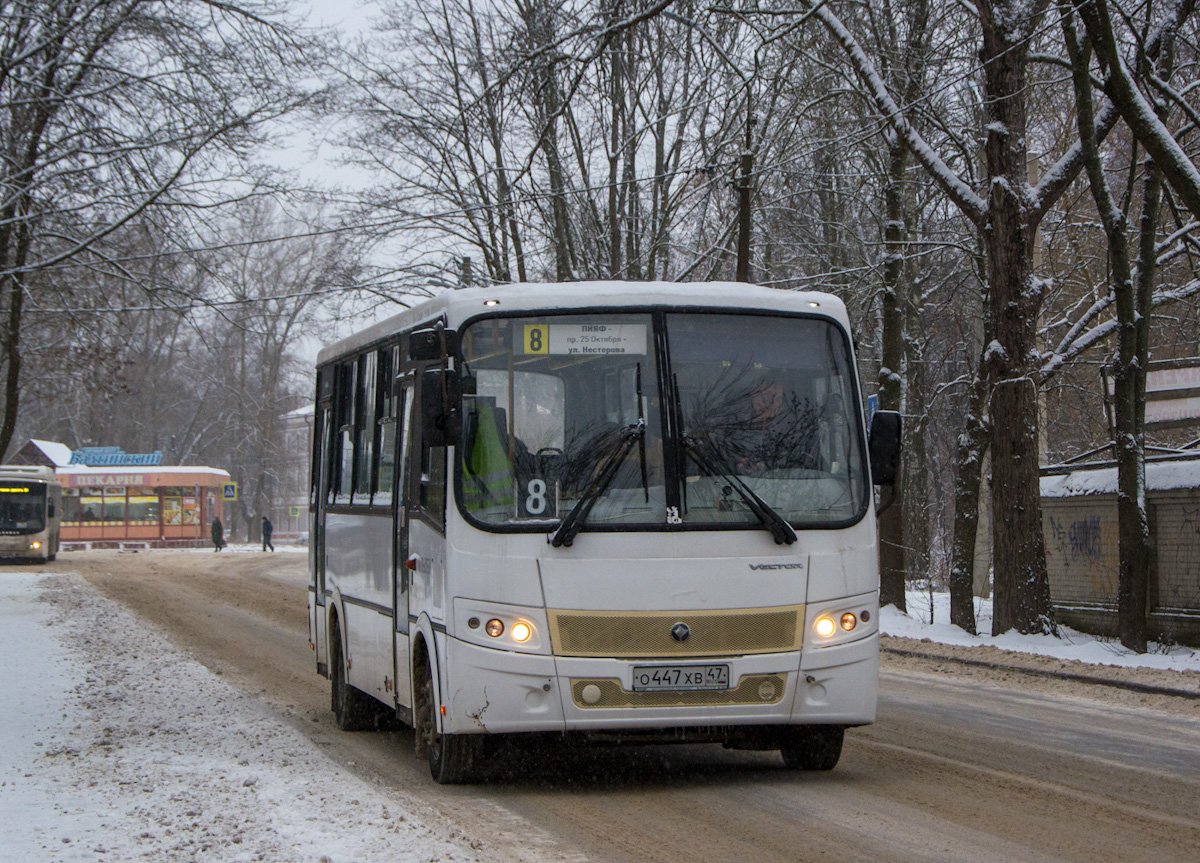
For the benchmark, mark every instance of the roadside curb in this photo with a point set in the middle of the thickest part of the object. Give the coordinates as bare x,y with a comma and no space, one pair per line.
1132,686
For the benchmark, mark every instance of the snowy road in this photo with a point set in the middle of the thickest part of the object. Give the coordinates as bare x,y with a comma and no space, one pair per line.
219,746
115,746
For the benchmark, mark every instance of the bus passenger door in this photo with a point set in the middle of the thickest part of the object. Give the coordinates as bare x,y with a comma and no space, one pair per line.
319,493
401,576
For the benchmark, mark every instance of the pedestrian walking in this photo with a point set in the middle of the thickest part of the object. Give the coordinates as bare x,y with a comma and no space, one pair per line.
267,530
218,534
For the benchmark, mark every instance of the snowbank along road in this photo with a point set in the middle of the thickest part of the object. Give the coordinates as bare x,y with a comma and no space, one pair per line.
202,731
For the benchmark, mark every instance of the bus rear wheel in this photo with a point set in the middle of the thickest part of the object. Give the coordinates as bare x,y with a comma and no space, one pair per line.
814,747
452,757
353,710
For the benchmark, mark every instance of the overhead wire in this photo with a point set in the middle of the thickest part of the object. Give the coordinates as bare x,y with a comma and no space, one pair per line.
421,220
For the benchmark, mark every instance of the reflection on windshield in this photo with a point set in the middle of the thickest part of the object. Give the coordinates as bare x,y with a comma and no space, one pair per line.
766,402
769,395
553,400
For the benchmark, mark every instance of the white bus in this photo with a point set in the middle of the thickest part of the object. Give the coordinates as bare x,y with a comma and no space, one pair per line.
599,511
30,512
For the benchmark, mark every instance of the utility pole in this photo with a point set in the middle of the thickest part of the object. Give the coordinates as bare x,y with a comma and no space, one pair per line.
745,186
743,245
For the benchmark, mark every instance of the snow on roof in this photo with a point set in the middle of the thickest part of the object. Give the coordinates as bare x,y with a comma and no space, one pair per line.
113,469
1160,476
59,453
530,298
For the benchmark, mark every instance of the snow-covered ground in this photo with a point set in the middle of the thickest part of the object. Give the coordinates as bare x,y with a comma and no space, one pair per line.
114,746
1070,645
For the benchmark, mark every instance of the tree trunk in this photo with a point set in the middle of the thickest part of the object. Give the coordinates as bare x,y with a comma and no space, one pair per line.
617,97
1022,600
972,447
891,522
1130,367
1133,585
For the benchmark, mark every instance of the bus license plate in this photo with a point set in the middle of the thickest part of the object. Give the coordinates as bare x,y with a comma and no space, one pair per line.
652,677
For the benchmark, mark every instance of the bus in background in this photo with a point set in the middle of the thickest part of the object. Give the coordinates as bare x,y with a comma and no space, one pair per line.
599,511
30,512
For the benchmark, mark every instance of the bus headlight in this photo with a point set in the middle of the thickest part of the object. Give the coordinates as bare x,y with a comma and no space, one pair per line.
35,545
519,628
840,621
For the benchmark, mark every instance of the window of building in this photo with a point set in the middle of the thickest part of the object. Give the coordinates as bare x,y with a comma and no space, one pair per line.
114,504
70,506
143,506
172,507
91,507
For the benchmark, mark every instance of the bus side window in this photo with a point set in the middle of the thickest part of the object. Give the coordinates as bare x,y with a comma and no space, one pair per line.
431,490
319,454
385,427
364,428
343,463
433,483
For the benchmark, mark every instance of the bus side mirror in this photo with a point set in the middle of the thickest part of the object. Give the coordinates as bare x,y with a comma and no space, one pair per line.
884,447
426,345
440,397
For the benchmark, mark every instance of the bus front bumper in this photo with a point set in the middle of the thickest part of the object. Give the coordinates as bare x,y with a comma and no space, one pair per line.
494,691
21,546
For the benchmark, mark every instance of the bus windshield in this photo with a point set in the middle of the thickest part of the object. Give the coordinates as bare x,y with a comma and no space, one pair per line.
22,508
676,418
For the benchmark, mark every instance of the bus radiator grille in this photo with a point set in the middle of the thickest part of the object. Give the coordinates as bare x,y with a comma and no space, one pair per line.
633,634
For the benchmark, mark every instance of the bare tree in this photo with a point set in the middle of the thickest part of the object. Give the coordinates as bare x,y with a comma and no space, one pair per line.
1007,214
114,107
261,298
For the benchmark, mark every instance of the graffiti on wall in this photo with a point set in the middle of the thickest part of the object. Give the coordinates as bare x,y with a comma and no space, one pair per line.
1085,539
1082,553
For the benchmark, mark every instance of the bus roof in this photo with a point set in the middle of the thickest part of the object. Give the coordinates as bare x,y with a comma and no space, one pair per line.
460,305
27,471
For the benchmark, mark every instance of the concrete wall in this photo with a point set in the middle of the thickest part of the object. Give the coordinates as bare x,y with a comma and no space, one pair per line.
1082,555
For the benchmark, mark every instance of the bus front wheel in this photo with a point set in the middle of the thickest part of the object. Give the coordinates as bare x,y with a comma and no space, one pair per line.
814,747
452,757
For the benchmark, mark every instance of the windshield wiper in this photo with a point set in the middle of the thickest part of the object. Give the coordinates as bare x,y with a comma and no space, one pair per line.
714,465
573,523
642,437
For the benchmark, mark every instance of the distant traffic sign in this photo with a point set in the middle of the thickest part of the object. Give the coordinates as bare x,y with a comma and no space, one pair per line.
229,491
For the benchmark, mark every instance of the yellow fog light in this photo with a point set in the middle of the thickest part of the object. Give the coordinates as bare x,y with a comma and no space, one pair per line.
825,627
849,621
494,628
35,545
521,632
